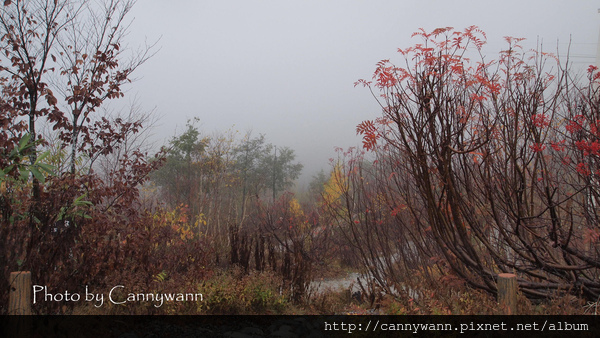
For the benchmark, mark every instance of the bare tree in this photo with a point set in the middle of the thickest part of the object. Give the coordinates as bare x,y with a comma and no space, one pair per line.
94,65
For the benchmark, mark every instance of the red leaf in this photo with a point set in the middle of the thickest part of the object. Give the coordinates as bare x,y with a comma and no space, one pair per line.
370,134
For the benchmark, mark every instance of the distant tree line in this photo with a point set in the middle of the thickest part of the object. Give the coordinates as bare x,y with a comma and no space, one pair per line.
218,177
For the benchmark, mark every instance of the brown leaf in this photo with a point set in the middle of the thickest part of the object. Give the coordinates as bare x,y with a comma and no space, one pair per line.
7,2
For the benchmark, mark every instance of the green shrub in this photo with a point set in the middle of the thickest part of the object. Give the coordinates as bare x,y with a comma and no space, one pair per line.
232,292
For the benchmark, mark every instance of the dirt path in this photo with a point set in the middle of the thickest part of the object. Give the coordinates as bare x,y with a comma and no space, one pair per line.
338,283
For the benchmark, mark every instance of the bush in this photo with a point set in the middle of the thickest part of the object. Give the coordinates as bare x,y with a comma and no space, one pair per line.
233,292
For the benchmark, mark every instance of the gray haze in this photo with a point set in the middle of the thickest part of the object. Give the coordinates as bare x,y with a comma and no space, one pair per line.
287,68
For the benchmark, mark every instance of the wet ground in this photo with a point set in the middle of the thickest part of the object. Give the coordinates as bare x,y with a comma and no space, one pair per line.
348,281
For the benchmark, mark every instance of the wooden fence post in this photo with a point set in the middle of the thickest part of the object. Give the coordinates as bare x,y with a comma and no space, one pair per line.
507,292
19,301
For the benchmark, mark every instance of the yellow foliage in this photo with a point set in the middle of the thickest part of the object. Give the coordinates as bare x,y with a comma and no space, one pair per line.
297,214
296,209
334,187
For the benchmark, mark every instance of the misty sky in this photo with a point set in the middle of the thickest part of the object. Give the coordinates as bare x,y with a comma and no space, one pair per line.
287,68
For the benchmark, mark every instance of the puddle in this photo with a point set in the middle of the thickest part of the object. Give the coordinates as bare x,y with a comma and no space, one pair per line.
349,282
339,283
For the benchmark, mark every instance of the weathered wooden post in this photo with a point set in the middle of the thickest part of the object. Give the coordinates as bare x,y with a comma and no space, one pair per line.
507,292
19,301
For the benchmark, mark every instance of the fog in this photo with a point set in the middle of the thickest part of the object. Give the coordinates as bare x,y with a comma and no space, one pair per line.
287,69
